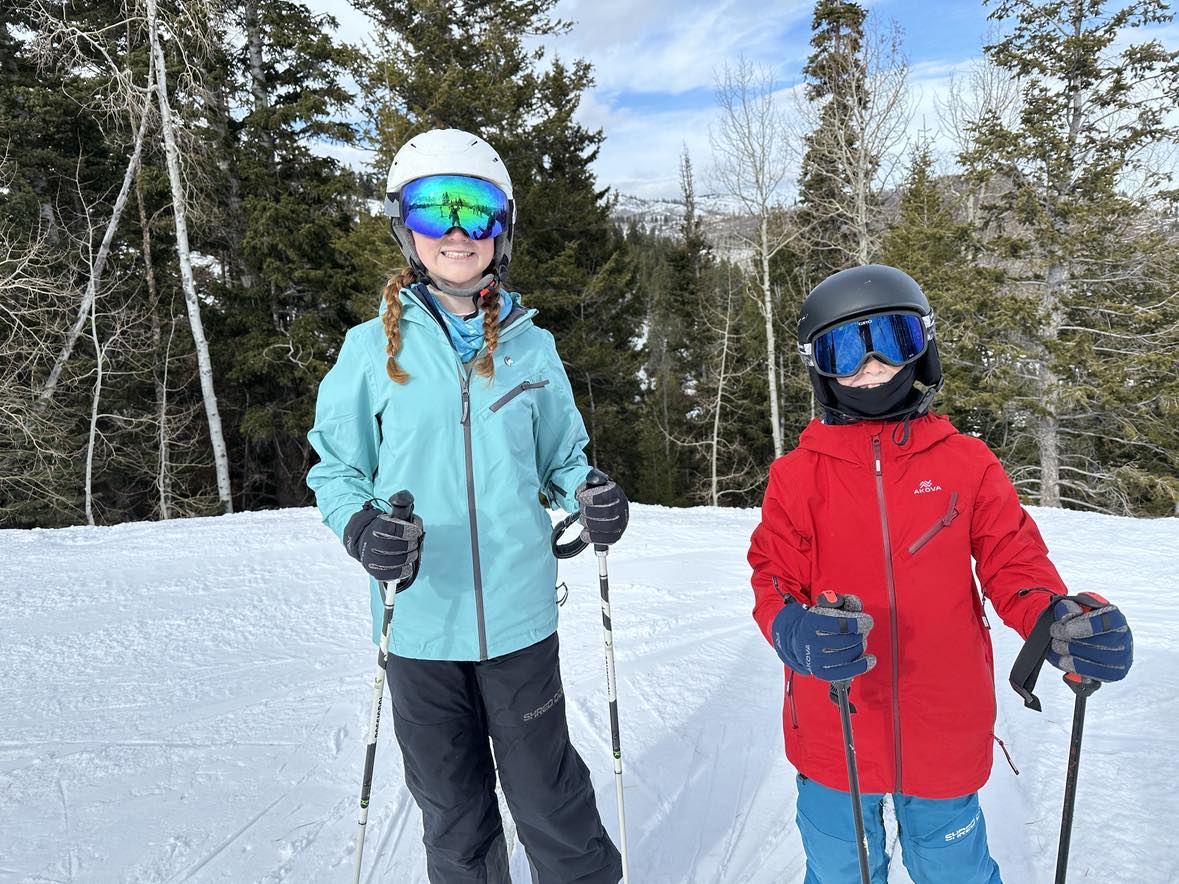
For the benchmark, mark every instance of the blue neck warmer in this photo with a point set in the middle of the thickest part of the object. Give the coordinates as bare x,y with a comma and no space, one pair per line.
466,335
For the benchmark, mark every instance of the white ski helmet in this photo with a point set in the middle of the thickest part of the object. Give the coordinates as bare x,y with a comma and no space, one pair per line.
448,152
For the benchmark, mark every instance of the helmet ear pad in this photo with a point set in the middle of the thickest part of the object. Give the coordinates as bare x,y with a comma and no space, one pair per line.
929,366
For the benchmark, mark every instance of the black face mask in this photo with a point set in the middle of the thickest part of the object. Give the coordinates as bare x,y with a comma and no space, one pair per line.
895,399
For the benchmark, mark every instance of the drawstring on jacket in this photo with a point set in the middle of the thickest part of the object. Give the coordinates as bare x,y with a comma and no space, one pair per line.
904,426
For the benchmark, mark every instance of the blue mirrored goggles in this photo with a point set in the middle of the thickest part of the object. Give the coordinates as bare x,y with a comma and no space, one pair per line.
895,338
436,204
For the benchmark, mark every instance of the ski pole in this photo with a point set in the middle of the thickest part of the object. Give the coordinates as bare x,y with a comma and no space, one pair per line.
596,479
600,549
1023,677
1083,687
400,507
839,696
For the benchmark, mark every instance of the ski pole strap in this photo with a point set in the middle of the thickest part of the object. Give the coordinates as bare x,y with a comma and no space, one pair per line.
574,546
1034,652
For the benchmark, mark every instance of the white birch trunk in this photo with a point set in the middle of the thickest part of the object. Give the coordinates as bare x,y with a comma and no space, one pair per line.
205,366
92,284
771,348
94,400
720,393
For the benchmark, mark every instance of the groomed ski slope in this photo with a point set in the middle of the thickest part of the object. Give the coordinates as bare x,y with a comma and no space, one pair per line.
187,701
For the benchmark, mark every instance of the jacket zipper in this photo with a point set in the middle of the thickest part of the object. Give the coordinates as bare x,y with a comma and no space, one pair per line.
516,391
465,382
892,614
943,522
790,699
464,377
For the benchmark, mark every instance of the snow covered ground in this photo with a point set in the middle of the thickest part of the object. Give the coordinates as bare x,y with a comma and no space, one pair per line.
187,701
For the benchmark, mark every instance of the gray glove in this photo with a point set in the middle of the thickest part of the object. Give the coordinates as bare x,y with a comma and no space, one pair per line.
387,547
604,512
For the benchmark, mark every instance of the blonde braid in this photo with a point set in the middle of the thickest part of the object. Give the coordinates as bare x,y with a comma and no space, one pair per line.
490,304
392,322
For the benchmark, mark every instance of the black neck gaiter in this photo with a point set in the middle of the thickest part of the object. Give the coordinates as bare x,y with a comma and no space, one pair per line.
895,399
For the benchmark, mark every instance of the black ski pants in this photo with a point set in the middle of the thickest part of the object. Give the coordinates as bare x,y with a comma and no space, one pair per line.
444,714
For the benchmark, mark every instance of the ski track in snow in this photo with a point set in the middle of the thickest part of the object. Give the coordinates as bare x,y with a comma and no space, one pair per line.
178,707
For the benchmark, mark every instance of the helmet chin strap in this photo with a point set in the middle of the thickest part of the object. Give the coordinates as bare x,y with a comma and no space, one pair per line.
474,291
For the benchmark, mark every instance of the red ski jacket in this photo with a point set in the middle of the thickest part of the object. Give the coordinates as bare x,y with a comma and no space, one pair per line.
849,510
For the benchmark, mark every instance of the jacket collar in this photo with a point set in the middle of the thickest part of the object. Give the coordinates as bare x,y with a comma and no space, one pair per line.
414,310
853,442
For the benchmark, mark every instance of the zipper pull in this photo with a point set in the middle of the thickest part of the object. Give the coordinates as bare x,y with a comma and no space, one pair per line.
876,452
466,407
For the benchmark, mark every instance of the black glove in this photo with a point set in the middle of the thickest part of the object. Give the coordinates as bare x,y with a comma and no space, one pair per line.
387,547
604,512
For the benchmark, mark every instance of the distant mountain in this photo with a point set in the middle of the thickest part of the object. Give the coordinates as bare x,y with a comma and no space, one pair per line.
724,221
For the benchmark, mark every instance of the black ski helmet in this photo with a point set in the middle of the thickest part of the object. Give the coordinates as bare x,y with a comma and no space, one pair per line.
866,291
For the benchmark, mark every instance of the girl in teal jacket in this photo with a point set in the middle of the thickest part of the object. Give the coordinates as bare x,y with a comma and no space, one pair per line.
453,393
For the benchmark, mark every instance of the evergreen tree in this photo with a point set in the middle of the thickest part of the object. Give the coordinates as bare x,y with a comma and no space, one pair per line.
930,244
835,78
276,218
1074,239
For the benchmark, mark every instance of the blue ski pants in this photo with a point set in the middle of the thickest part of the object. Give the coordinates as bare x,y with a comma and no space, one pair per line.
943,841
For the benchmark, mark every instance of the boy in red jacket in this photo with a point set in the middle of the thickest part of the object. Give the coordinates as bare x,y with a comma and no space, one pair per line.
886,504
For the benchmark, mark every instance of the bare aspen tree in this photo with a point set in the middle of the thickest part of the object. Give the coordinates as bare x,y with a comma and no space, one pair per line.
61,43
184,255
34,301
752,162
860,133
984,91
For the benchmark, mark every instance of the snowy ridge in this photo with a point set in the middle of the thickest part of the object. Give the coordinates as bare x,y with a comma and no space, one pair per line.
180,705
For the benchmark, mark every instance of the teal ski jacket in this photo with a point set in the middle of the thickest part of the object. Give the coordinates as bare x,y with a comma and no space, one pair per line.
476,454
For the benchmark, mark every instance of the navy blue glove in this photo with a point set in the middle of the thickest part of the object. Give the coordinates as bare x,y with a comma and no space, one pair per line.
1097,643
828,643
604,512
386,546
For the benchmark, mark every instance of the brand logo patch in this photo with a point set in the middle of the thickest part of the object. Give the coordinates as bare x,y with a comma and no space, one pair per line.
964,831
537,713
927,487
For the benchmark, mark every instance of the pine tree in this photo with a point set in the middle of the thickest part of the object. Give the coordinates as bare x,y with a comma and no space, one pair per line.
931,244
1071,226
277,219
834,78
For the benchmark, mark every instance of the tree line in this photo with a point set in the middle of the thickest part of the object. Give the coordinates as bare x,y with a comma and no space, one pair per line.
178,263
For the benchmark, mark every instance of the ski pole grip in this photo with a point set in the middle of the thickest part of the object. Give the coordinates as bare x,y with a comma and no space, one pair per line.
596,479
1080,684
833,601
829,599
401,505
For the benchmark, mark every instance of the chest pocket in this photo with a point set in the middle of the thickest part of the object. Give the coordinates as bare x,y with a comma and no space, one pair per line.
520,388
508,421
936,528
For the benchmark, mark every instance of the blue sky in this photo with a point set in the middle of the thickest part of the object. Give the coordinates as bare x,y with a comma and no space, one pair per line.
656,62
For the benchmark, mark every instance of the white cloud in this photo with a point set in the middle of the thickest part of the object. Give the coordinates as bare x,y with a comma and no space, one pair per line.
667,47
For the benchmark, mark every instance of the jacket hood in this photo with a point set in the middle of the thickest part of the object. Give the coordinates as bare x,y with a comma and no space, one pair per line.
852,442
